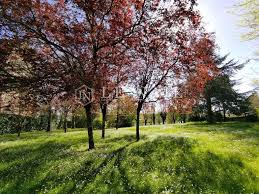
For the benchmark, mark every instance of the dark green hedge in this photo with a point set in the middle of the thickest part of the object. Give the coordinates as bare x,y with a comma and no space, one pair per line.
10,123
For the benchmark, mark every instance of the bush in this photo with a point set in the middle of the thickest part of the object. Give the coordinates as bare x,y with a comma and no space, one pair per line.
10,123
124,121
80,122
194,118
97,124
252,118
218,117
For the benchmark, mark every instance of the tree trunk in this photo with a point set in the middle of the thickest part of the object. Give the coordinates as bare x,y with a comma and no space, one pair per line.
138,120
19,126
19,132
209,110
174,120
154,118
184,118
137,125
65,123
163,117
89,121
224,113
117,115
145,122
49,119
104,112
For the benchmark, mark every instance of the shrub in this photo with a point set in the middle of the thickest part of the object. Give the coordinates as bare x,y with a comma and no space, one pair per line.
252,117
10,123
97,124
123,121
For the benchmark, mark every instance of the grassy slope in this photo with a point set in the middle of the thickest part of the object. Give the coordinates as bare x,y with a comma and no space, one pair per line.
190,158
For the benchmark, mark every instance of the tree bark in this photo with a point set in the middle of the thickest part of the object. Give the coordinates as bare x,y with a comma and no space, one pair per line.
209,109
19,132
138,120
20,119
49,119
65,122
184,118
174,120
163,117
19,129
224,113
154,118
89,121
104,113
137,125
117,115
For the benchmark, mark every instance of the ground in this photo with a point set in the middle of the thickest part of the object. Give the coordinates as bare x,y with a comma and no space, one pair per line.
182,158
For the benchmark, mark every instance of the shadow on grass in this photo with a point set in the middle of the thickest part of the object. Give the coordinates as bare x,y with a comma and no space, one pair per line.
125,138
24,163
165,164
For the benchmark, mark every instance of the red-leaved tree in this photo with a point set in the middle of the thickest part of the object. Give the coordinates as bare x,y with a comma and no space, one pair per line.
76,40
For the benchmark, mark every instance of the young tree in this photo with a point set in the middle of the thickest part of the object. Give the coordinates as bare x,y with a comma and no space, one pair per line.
65,105
157,55
164,109
146,112
126,108
104,102
111,91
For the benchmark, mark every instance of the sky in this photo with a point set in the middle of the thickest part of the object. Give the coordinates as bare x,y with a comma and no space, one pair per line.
217,18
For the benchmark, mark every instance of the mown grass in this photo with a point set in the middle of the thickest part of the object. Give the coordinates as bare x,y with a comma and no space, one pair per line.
182,158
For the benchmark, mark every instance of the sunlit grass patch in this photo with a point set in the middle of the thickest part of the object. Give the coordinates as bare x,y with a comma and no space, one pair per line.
182,158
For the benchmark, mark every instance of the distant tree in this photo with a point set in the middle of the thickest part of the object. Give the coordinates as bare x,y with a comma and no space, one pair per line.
163,116
221,83
225,97
254,102
146,112
254,98
256,84
249,13
65,106
126,110
163,103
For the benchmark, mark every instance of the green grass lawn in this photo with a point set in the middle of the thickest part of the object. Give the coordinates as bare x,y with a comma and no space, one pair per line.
182,158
